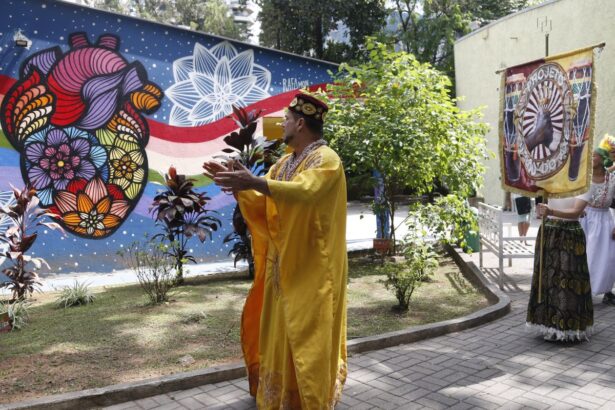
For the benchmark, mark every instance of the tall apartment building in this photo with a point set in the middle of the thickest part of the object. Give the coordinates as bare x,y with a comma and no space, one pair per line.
245,13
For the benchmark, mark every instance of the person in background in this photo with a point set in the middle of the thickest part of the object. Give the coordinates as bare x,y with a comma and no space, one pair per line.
598,223
507,201
524,209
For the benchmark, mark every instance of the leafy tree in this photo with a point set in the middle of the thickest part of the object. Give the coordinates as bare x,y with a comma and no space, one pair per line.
303,26
394,114
428,28
209,16
448,220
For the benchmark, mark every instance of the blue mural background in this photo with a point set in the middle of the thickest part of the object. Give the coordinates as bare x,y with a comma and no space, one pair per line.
157,47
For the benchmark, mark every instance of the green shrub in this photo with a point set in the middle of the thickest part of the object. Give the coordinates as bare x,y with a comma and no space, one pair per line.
405,277
18,313
447,220
76,295
153,264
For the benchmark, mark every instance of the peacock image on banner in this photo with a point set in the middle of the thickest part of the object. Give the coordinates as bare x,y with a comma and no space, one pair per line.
546,125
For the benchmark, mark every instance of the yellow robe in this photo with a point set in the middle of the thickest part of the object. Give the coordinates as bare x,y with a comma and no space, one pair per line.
294,321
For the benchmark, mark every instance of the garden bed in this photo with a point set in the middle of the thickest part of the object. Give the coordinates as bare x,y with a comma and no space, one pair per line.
120,338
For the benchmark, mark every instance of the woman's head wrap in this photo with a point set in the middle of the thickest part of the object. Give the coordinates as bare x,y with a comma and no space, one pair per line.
606,149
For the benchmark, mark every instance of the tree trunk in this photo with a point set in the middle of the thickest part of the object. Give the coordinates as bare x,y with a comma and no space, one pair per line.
318,35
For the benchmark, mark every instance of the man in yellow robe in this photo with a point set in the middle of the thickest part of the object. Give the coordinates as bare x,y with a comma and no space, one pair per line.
294,320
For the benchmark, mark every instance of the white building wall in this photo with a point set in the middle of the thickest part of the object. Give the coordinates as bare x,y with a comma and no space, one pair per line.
517,39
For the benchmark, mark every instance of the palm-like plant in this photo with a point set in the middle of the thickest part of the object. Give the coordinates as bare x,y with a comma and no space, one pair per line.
181,212
257,154
24,214
251,151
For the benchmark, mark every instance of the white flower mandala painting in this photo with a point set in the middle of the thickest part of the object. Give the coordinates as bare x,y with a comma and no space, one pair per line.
6,199
210,81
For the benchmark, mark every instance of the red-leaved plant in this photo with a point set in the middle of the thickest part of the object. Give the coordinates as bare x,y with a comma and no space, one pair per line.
25,214
257,154
180,210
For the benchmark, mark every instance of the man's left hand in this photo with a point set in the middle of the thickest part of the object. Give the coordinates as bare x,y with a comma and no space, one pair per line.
237,180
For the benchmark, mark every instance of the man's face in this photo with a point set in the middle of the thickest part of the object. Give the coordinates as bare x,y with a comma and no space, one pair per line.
290,127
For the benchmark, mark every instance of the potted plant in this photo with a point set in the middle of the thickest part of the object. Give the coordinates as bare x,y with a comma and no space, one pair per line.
5,322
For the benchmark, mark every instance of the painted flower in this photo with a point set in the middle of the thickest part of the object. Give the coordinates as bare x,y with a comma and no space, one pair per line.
126,166
6,199
55,157
210,81
92,209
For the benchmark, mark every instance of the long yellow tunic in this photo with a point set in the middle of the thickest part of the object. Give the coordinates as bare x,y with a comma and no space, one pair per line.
294,320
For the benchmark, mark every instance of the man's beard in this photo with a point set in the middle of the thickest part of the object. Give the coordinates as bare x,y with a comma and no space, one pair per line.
288,138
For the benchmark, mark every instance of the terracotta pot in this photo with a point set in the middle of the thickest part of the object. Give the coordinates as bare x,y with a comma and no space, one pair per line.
5,323
383,245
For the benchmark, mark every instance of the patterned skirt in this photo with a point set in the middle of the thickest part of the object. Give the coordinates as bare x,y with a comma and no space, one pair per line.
564,310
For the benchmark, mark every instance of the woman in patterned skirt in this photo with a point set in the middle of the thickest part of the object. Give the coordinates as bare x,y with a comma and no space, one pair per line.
560,306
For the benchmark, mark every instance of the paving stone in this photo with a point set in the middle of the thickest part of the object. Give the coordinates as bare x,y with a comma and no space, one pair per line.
207,399
589,398
177,396
527,403
379,403
163,399
147,404
578,403
124,406
191,403
243,404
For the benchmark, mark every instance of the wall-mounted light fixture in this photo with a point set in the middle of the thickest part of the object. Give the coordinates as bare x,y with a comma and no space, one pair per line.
21,40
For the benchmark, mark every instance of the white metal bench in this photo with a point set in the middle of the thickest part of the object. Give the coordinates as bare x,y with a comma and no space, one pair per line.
492,239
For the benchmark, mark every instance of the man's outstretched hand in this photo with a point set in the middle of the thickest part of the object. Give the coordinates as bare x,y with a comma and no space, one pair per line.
235,177
213,167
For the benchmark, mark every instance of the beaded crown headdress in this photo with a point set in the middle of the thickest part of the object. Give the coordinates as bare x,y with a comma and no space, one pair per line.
309,106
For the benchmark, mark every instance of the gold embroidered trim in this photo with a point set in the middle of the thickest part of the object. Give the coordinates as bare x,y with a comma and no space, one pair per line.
270,389
275,274
340,379
272,394
289,168
313,161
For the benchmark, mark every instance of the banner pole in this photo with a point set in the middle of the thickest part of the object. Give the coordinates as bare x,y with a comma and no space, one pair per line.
542,235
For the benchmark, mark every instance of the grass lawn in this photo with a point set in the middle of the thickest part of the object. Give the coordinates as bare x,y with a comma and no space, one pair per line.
120,338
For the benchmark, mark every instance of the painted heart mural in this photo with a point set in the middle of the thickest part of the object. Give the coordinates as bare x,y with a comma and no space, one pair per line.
76,119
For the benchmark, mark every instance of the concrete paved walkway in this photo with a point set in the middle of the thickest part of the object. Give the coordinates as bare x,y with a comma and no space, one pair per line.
497,365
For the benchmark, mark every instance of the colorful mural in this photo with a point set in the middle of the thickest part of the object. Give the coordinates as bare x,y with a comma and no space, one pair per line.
100,105
76,121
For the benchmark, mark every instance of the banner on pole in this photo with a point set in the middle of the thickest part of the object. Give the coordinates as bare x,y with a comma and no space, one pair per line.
546,125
